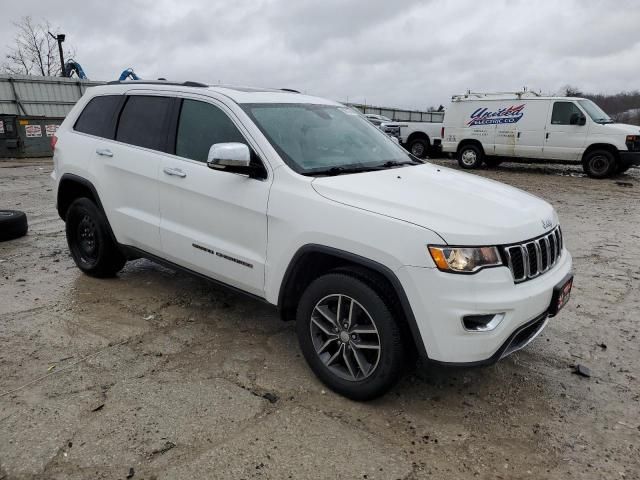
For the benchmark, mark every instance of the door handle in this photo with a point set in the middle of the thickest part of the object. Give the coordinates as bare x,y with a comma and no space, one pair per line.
519,134
174,172
547,135
104,152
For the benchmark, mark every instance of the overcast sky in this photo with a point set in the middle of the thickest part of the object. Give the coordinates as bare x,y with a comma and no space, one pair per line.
395,53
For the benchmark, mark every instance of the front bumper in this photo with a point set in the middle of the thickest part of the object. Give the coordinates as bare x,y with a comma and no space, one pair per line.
630,158
440,300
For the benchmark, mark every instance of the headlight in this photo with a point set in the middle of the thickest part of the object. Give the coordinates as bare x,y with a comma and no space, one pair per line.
464,259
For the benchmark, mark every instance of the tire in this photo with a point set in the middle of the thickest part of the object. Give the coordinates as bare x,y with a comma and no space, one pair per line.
13,224
470,156
419,148
599,164
349,365
492,162
90,242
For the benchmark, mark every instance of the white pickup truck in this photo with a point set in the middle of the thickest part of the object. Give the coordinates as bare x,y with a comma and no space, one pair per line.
417,137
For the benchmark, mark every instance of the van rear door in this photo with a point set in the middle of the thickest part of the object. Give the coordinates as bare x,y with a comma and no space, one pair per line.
565,136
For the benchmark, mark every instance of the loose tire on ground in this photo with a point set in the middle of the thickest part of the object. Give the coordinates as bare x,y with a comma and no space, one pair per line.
470,156
90,243
419,147
599,164
13,224
360,358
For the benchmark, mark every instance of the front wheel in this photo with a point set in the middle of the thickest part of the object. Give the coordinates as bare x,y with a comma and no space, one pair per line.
90,243
349,336
599,164
470,156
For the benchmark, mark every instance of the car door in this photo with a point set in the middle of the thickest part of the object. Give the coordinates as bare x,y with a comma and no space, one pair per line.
565,134
530,131
213,222
127,168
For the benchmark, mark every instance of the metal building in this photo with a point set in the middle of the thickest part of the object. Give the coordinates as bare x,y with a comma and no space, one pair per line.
32,108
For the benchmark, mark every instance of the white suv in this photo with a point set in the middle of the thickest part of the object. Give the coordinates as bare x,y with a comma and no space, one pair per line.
302,203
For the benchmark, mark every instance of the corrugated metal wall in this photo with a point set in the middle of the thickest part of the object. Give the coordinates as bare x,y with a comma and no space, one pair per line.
41,96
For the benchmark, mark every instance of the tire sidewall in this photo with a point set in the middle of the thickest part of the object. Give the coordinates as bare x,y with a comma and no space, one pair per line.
424,144
13,224
478,153
386,373
592,157
78,209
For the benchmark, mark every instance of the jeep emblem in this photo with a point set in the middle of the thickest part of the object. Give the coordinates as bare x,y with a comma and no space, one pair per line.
547,224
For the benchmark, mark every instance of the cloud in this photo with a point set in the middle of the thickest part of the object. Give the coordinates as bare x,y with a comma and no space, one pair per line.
409,54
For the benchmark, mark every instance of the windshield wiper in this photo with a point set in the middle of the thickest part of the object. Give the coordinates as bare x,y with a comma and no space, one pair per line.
396,163
342,170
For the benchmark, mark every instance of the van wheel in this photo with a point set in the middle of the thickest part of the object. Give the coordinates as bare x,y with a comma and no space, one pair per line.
492,162
91,246
349,337
418,148
599,164
470,156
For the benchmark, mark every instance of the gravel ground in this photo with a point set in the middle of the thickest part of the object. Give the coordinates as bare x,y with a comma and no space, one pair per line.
156,374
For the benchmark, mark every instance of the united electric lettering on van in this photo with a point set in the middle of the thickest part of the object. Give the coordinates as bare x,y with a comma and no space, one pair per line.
483,116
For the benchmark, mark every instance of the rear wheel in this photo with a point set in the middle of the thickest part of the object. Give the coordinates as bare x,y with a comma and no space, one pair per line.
349,336
470,156
599,164
419,148
90,243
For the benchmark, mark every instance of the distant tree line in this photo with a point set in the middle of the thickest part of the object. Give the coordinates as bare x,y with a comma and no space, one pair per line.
624,107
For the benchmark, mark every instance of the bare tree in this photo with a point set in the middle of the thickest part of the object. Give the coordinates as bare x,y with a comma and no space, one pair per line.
34,51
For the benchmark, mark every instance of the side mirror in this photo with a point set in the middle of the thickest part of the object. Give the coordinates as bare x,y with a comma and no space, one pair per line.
577,119
228,156
395,140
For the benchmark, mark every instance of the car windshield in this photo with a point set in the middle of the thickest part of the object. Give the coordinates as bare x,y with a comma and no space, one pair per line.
595,112
325,139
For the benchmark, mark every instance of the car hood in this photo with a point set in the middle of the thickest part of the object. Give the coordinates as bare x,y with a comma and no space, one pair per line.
462,208
616,128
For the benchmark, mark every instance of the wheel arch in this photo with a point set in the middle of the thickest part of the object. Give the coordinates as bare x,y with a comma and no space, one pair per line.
418,136
312,261
470,141
71,187
602,146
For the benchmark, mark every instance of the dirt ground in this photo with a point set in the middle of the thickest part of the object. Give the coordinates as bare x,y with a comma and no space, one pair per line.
156,374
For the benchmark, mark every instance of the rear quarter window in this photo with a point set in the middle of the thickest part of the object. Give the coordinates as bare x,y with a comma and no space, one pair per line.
98,116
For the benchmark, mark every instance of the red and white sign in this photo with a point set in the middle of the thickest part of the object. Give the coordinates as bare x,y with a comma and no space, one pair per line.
33,131
51,130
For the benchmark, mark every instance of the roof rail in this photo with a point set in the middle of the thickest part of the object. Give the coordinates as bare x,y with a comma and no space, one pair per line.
471,94
157,82
290,90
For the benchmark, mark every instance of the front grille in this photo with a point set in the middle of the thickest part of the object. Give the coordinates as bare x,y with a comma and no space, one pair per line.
533,258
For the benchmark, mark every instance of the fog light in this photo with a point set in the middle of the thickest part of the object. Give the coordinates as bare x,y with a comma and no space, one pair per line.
482,323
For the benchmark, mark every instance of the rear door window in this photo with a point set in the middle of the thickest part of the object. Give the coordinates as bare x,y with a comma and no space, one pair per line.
98,116
200,126
143,121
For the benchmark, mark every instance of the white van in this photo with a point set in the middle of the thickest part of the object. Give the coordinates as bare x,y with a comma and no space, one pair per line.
485,127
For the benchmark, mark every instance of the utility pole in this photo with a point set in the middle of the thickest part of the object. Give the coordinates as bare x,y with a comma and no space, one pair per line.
60,38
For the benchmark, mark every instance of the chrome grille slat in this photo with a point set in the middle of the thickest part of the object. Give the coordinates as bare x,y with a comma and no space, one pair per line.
539,255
